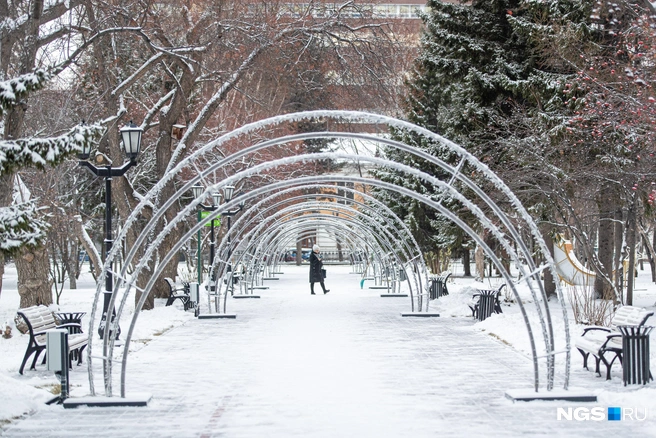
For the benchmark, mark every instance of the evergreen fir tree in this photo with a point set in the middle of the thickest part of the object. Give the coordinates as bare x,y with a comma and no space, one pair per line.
480,81
23,225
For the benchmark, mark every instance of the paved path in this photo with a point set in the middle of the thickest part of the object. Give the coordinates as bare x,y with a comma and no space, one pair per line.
338,365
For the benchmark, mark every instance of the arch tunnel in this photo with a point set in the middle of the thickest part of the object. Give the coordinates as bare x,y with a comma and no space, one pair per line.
278,211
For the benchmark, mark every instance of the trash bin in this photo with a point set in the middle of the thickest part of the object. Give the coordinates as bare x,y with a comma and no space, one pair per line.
438,287
486,304
635,354
433,288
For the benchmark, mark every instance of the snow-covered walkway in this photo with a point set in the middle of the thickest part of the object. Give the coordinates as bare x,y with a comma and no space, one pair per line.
345,364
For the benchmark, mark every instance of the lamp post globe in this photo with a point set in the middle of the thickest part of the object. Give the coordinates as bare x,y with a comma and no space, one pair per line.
131,140
85,153
228,192
197,190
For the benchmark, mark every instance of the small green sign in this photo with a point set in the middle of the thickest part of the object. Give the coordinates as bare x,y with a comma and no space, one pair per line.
217,222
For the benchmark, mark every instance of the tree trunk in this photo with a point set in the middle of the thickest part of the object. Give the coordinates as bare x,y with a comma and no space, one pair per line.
71,265
299,249
606,241
617,260
630,243
143,278
2,270
466,262
479,258
6,190
549,283
649,251
33,267
652,261
167,118
87,244
33,290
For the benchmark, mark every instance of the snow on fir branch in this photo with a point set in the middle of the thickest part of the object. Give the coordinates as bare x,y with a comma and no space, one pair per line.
21,227
13,90
40,152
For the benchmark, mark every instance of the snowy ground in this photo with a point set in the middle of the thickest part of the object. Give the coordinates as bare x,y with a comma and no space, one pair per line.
342,364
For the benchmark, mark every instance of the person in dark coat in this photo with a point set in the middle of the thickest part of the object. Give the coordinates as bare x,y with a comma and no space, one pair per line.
316,264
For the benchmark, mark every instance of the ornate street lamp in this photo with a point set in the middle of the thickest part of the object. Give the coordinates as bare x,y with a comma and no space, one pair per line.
131,143
228,192
198,190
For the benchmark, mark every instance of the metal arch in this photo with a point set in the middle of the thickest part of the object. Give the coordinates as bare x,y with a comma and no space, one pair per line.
408,251
275,248
403,125
322,205
527,258
343,209
378,205
391,187
255,211
307,219
278,240
258,240
329,225
346,210
348,244
528,275
301,227
377,119
351,179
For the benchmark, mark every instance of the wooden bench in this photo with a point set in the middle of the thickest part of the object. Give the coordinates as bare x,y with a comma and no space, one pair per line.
602,342
177,292
39,319
475,306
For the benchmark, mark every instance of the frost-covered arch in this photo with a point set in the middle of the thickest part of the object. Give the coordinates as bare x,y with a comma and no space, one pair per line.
382,250
279,221
503,225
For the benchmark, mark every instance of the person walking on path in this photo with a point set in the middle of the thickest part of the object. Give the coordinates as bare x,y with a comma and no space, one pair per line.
316,274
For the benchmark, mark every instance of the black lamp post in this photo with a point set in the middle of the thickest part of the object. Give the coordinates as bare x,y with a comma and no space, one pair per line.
131,143
216,199
228,191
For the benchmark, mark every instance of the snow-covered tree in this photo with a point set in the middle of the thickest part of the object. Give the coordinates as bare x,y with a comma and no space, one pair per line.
22,225
555,96
474,76
217,65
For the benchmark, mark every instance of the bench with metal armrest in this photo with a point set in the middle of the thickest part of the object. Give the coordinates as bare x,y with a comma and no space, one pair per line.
178,292
605,343
40,319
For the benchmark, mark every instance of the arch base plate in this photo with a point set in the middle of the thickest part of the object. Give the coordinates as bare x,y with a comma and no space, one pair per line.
217,316
137,399
572,394
420,314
